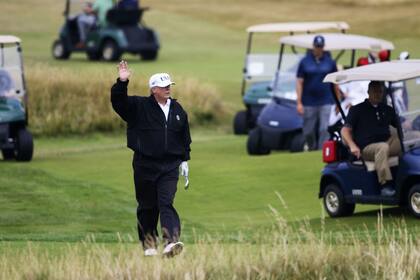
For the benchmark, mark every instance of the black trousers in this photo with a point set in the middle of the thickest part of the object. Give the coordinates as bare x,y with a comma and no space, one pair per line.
156,184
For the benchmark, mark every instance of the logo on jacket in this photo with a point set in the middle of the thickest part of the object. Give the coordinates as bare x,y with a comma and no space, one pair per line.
177,117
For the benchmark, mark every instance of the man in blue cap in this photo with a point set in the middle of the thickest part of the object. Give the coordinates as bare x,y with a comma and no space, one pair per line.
315,98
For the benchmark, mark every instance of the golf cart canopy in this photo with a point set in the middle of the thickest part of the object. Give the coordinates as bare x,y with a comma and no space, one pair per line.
390,71
297,26
339,41
9,39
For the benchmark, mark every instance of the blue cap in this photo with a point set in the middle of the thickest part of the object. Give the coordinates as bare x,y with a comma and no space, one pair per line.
319,41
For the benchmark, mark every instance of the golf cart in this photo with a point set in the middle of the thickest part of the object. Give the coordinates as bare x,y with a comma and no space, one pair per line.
124,32
15,139
259,69
345,180
279,126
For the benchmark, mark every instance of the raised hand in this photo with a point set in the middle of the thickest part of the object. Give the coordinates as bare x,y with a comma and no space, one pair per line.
123,71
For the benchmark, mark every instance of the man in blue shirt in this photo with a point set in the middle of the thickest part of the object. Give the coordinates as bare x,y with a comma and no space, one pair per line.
315,98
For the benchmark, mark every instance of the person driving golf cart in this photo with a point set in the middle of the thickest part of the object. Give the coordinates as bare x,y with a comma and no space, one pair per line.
346,180
367,134
85,22
6,83
117,31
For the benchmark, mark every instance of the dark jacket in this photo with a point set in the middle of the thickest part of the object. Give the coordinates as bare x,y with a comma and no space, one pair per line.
148,132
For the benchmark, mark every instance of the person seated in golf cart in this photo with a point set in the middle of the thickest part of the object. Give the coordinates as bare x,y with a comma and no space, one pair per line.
6,84
367,133
85,21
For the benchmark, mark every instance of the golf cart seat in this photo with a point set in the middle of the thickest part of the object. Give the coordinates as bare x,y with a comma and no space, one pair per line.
370,165
124,16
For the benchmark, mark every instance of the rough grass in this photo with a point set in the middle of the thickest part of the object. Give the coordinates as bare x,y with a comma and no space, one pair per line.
281,253
69,101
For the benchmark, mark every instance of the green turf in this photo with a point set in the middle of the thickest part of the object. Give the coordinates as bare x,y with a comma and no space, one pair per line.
78,186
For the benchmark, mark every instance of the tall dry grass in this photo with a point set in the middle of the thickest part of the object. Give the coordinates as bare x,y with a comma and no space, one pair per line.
66,101
284,252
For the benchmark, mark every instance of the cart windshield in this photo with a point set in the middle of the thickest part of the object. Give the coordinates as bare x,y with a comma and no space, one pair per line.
11,78
260,67
407,104
284,83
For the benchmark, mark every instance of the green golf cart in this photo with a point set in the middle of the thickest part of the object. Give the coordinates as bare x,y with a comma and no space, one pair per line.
123,32
16,141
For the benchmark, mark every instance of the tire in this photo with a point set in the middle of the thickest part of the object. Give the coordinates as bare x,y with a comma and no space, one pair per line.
298,142
24,145
240,123
59,50
92,55
254,145
335,204
414,200
110,51
149,55
8,154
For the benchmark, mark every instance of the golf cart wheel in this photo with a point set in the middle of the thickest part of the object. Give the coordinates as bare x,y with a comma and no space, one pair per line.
8,154
59,50
149,55
110,51
239,123
414,200
335,204
298,142
254,143
24,145
92,55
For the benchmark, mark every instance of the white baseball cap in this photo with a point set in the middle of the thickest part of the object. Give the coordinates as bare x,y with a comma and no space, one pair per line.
160,80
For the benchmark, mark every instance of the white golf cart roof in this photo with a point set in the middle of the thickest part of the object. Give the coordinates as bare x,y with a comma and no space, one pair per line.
9,39
298,26
391,71
339,41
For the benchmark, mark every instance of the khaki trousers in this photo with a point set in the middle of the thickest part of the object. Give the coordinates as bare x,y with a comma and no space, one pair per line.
380,152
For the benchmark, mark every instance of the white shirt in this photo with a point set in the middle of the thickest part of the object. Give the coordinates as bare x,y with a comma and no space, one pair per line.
355,92
165,108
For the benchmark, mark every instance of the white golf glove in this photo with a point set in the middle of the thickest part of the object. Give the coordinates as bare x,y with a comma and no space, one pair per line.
184,172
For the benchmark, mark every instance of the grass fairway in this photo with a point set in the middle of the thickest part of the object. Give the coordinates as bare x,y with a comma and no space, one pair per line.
80,186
